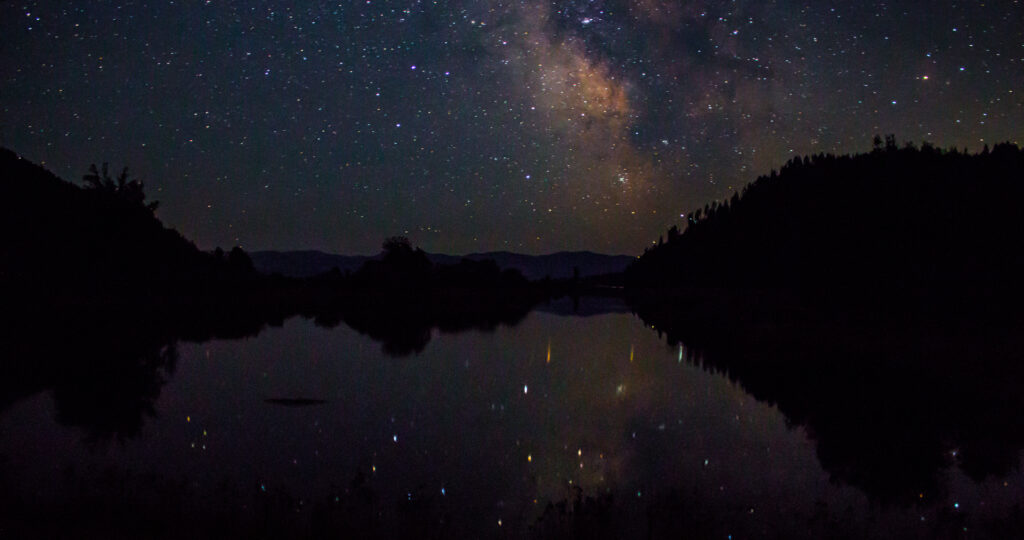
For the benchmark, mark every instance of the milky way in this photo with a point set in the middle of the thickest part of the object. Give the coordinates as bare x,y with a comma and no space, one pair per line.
472,126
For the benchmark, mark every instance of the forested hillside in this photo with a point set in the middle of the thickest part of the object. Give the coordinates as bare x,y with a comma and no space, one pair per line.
99,241
914,227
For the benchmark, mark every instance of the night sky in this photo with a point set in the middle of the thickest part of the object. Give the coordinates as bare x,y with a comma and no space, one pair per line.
486,125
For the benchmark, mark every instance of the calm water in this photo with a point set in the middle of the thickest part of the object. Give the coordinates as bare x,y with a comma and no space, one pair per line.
474,436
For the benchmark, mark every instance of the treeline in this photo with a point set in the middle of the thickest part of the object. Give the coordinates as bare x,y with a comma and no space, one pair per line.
403,269
910,227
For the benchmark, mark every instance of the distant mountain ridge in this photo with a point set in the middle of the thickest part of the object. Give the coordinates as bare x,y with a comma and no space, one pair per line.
304,263
559,265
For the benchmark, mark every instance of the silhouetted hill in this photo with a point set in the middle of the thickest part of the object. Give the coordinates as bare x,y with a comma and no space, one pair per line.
894,232
556,265
63,243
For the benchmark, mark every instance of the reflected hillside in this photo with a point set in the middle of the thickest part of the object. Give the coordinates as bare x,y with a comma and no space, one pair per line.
105,376
106,367
891,409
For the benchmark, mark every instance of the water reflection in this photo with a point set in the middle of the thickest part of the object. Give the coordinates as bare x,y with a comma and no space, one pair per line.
105,376
891,409
542,425
106,368
404,326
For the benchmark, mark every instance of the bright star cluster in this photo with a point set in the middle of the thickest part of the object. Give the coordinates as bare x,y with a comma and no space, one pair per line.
526,125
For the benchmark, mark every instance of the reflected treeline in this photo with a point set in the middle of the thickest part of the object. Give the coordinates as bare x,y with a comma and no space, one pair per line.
404,326
400,298
106,367
105,377
890,408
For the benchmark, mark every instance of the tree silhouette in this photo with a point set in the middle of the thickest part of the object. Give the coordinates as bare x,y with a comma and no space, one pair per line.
128,190
396,246
239,260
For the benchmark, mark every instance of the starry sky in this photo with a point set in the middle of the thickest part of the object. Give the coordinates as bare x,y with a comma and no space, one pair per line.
468,126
